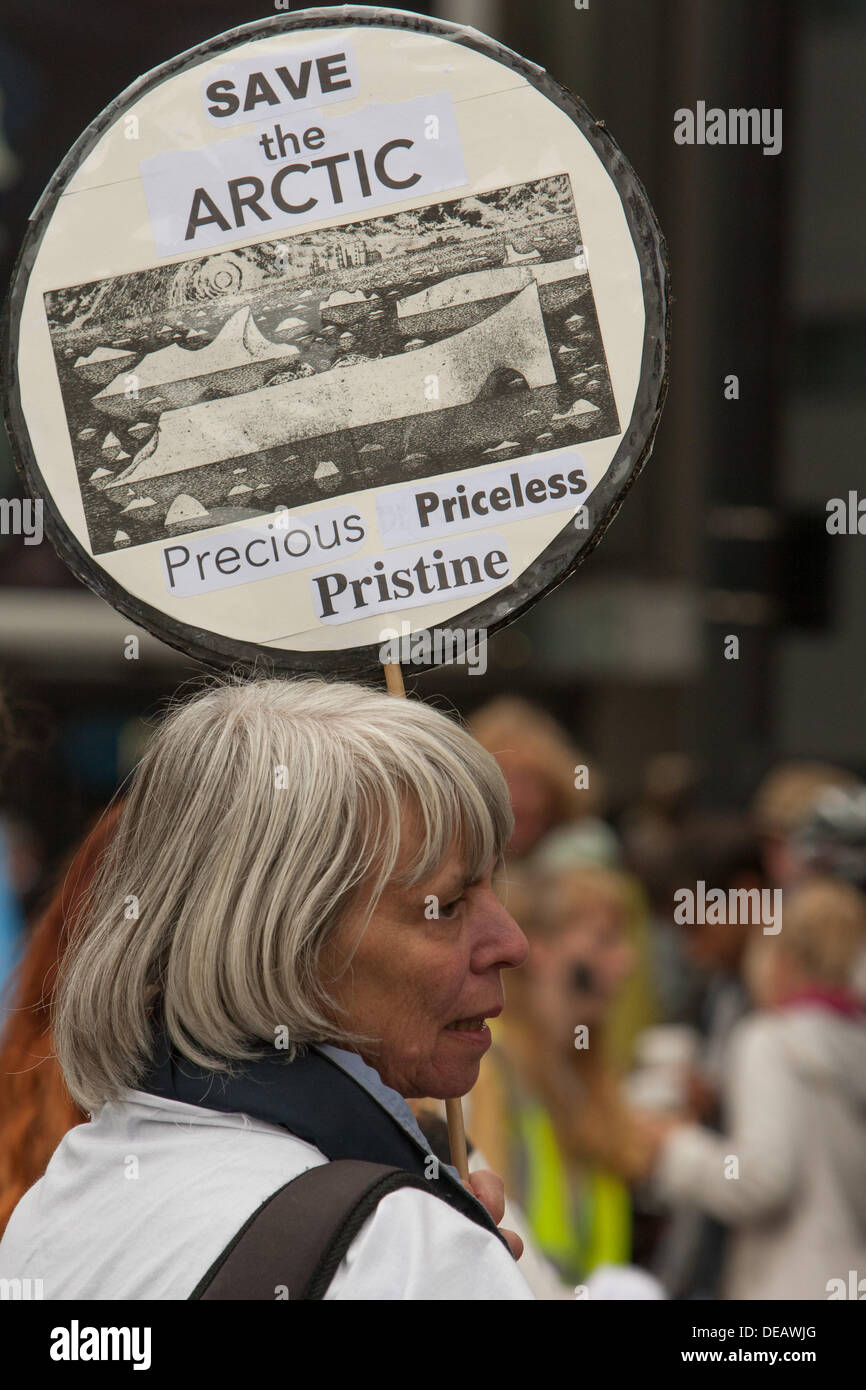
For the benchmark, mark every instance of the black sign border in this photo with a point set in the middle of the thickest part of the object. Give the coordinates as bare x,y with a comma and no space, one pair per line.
565,553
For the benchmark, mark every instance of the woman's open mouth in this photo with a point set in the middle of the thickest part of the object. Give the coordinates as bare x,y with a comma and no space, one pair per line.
471,1030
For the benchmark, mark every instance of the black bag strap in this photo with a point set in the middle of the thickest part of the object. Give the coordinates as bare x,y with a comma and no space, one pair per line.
299,1235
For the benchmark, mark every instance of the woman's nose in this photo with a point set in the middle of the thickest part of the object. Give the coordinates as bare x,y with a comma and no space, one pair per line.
511,945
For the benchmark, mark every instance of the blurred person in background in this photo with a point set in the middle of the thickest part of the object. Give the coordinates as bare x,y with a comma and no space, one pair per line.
783,803
787,1174
557,800
720,849
832,843
542,766
11,915
12,921
36,1109
653,830
547,1107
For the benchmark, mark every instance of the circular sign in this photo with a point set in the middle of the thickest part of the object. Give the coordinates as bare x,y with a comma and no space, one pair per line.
344,327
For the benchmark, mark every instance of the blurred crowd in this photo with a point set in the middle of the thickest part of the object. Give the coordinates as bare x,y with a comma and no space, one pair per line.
677,1107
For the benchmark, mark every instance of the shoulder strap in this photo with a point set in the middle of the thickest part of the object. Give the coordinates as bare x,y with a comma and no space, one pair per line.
299,1235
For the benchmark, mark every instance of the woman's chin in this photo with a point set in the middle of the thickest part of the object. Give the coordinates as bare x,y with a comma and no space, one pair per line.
448,1077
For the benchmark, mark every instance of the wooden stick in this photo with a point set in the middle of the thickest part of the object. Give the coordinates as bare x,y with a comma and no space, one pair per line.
453,1107
457,1137
394,679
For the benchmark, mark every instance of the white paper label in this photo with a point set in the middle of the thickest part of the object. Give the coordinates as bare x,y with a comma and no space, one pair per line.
467,501
200,564
283,175
281,84
410,578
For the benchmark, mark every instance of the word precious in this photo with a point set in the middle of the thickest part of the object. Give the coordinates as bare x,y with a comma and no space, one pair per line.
735,127
259,552
738,905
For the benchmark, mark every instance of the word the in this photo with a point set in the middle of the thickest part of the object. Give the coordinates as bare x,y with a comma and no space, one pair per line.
734,127
738,905
846,519
76,1343
438,646
21,518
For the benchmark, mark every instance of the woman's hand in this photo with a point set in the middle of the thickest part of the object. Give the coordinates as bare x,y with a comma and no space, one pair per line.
656,1128
489,1188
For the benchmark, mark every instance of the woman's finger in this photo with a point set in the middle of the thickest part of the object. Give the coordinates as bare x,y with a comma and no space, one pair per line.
489,1188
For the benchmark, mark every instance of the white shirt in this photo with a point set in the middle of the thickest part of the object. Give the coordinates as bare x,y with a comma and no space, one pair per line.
138,1203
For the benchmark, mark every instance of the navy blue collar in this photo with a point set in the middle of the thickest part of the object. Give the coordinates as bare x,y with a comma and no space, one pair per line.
328,1097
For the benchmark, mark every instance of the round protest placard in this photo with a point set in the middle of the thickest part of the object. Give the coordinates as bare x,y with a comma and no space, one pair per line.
344,325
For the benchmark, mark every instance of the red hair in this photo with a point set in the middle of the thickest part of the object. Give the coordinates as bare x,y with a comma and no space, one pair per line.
36,1109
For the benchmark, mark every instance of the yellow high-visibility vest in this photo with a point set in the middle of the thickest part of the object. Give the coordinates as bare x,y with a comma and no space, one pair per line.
576,1230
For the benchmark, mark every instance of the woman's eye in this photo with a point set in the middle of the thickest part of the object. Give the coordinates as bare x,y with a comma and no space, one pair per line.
449,909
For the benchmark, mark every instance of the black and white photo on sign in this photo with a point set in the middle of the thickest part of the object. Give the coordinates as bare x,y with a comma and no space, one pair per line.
217,389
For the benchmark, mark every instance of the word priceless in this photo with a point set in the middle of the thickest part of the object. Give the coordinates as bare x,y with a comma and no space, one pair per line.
746,906
500,499
467,503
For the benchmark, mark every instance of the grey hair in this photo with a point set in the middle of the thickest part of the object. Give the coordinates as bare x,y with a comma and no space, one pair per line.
263,816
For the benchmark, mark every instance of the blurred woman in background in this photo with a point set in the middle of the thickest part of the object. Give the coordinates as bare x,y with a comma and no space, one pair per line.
547,1108
787,1176
555,797
36,1109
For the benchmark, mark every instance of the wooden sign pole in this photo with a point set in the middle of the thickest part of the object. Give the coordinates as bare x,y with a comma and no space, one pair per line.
453,1107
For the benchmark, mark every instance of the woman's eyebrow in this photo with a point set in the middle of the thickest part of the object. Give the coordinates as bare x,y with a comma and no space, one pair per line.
452,886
